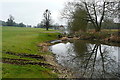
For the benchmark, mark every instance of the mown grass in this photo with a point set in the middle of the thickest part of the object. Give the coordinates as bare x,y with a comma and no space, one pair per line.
24,41
26,71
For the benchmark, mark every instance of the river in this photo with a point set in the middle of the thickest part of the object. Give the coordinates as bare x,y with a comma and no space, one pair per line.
88,60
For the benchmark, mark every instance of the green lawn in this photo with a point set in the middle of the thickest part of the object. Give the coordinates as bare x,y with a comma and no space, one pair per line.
24,41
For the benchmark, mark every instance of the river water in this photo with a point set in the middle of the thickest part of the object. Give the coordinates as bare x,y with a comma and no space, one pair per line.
88,60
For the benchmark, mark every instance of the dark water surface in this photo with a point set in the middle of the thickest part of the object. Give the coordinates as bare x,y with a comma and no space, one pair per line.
88,60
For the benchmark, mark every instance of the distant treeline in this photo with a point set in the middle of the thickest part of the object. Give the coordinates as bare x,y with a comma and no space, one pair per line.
111,26
106,26
3,23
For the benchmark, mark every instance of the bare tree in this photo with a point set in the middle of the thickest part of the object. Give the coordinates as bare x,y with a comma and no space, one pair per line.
47,18
97,11
10,21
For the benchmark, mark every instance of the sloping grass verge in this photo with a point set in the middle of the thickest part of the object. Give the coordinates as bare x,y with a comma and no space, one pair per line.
23,43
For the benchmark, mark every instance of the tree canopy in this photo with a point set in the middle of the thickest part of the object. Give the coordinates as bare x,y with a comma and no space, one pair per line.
78,22
10,21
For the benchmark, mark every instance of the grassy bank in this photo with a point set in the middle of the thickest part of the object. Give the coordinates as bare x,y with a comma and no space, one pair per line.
21,56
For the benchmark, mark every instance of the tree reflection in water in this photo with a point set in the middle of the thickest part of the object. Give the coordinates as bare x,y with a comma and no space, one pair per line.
95,60
88,60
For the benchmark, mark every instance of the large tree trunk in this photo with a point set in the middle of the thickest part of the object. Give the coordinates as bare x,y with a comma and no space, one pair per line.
47,25
97,30
47,28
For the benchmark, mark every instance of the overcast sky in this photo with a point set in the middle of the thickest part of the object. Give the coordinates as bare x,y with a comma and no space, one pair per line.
31,11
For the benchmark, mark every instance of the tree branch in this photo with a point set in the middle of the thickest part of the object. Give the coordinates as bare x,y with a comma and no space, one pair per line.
95,15
102,17
92,20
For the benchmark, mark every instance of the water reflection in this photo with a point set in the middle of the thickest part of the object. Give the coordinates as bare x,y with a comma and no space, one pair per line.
88,60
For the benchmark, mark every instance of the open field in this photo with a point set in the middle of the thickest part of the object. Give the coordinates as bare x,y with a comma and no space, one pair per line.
20,55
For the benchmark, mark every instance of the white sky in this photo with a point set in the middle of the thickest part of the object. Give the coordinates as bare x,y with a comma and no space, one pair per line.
31,11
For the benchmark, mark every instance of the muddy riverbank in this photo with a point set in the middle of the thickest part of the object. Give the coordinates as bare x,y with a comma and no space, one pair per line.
62,71
65,72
